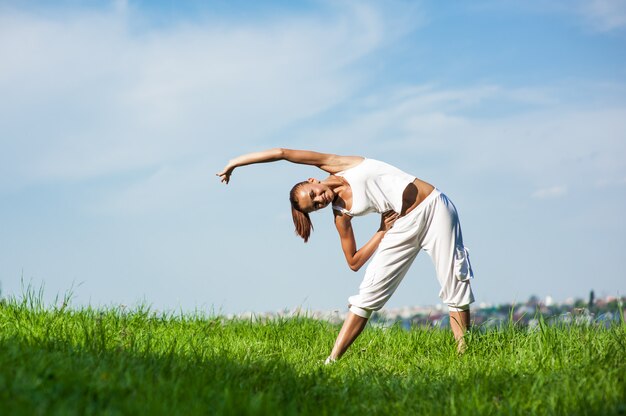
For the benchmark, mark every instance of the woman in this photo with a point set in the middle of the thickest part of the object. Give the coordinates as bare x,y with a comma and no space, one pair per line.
414,216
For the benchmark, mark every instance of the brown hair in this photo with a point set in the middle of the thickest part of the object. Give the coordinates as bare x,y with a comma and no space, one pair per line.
301,220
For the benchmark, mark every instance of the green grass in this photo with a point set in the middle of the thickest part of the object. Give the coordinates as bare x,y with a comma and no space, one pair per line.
112,361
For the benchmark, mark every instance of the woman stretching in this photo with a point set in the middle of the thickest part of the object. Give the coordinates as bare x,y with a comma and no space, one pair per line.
414,216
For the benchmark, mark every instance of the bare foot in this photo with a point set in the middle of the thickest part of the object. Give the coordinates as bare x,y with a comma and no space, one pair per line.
461,346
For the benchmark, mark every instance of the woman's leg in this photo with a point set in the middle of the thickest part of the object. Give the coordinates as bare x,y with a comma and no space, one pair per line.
351,329
459,322
386,269
444,243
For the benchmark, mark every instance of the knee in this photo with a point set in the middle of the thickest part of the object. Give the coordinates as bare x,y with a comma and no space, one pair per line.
362,312
461,308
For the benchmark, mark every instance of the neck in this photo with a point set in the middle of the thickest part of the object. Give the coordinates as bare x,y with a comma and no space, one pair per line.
339,186
334,182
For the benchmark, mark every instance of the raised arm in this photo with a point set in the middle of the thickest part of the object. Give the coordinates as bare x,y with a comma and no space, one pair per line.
328,162
357,258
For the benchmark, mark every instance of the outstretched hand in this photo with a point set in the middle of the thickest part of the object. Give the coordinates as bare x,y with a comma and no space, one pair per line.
387,219
225,174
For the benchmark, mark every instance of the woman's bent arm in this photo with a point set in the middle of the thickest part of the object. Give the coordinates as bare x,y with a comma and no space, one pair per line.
357,258
325,161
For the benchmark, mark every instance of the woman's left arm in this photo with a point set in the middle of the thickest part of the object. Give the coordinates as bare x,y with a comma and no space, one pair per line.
328,162
357,258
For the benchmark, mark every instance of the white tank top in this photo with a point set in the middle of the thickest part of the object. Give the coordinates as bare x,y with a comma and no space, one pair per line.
376,187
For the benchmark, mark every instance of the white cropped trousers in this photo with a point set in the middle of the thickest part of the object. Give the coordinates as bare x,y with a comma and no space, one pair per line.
434,227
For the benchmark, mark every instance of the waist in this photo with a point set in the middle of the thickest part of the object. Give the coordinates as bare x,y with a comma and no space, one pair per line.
414,194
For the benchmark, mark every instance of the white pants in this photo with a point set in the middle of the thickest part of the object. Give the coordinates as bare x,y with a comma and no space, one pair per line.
434,227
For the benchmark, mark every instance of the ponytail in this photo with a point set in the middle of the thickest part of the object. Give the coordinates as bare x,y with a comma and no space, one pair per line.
301,220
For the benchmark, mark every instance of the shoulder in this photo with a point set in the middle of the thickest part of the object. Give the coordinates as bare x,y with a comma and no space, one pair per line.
337,163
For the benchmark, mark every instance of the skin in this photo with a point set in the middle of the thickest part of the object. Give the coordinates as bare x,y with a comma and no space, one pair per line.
334,190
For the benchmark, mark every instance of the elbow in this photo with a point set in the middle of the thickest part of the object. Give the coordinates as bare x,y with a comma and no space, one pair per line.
279,152
354,266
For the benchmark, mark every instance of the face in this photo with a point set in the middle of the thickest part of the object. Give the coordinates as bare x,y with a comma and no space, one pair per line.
314,195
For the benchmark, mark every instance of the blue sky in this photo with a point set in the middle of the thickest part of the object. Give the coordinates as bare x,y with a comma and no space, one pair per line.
115,117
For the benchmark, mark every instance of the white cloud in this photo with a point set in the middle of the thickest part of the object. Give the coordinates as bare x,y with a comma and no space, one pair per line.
598,15
120,6
167,189
561,143
87,94
551,192
603,183
423,115
604,15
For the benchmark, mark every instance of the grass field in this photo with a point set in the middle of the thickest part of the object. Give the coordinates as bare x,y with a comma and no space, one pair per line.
59,360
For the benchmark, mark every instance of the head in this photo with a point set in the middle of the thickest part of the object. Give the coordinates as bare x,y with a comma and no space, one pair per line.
306,197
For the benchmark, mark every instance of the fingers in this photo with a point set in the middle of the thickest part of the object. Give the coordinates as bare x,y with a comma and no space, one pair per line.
390,215
391,218
225,174
388,219
224,177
